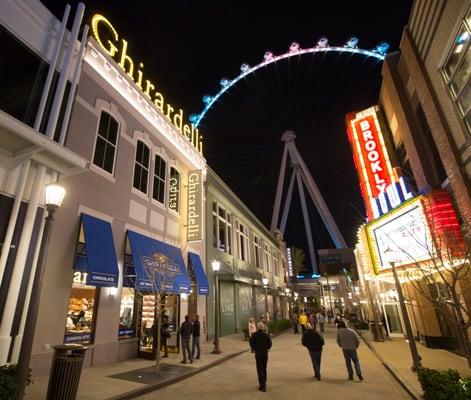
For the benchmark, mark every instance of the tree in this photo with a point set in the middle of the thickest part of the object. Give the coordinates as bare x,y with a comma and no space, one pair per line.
298,258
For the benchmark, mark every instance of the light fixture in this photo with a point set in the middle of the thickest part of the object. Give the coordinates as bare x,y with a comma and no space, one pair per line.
215,265
265,281
287,290
112,291
54,195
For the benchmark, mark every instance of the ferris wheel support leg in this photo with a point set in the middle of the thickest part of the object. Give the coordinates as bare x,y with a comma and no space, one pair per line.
284,217
279,191
307,224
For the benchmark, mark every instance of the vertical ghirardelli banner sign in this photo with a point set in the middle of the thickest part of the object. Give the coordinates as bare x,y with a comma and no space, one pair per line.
195,205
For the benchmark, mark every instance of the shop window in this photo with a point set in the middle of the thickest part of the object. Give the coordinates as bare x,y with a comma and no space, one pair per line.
174,190
106,142
81,315
141,167
127,315
222,229
160,171
457,71
243,241
257,251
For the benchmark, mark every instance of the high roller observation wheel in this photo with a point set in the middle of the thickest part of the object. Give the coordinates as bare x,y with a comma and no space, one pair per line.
322,46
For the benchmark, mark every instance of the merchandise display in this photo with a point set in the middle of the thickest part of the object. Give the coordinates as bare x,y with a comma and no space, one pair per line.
79,325
126,314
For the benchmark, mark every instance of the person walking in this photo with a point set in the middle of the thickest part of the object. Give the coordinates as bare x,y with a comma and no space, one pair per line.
321,321
348,340
260,343
195,344
294,322
165,334
186,330
314,342
303,320
251,327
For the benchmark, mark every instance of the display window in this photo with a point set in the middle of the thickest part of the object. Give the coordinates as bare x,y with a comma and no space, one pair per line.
80,325
127,319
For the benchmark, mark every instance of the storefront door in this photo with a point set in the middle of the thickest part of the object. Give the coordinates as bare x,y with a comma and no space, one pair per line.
393,319
148,324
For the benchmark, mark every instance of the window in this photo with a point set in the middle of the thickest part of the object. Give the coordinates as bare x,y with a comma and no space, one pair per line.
276,269
266,256
174,190
457,71
106,142
141,167
127,319
257,251
160,171
243,241
222,229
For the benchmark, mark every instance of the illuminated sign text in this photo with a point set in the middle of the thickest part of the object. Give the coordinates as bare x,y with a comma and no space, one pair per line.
195,206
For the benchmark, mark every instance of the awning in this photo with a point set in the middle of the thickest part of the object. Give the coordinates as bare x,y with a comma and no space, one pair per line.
157,265
194,262
96,255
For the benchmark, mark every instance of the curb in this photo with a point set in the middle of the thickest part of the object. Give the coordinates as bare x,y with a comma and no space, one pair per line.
410,390
150,388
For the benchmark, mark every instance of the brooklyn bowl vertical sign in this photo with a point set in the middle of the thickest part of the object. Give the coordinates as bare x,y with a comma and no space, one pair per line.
195,206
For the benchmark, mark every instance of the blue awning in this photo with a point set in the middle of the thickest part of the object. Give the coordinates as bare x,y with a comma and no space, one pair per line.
158,265
194,262
97,257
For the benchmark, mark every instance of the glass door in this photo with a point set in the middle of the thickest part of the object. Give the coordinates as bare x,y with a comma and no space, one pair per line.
393,319
147,326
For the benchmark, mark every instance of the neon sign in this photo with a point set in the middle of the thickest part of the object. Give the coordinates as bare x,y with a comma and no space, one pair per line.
382,187
108,39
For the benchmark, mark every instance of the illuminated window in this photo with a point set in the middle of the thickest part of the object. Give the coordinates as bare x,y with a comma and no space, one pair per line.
222,229
243,241
141,167
257,251
174,190
106,142
457,71
160,171
127,316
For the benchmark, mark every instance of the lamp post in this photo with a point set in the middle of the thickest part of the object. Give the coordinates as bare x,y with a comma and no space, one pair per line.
265,288
54,196
289,301
389,253
216,265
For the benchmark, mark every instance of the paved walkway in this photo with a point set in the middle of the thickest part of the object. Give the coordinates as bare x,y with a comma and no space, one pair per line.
395,353
290,375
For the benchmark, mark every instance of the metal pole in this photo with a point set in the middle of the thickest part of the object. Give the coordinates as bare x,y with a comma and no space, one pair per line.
216,350
27,345
379,337
266,300
330,297
410,337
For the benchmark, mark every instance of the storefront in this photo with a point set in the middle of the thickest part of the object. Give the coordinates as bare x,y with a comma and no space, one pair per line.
95,266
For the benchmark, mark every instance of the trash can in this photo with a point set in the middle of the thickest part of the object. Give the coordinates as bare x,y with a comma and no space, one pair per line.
377,331
65,371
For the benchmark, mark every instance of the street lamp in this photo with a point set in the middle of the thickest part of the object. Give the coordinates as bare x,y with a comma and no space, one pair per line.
265,287
216,265
390,258
287,290
54,196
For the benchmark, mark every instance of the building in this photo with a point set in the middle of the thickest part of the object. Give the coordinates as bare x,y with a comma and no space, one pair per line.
248,253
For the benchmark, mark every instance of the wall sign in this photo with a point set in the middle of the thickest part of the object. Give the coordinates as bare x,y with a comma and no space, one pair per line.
382,188
108,39
195,206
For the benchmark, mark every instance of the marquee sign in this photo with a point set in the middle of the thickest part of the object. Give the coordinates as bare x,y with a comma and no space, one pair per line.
108,39
195,206
382,188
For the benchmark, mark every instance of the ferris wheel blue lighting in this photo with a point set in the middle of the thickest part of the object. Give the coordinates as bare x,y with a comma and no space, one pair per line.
322,46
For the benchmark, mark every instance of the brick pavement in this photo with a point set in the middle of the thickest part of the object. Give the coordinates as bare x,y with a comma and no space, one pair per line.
289,374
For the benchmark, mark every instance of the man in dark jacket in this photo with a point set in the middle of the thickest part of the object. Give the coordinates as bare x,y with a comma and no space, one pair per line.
314,342
196,337
186,330
260,343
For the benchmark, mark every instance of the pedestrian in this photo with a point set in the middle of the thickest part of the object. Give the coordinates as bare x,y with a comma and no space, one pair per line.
329,316
263,320
294,323
348,340
251,327
165,334
260,343
314,342
195,344
321,321
337,319
303,320
186,330
312,320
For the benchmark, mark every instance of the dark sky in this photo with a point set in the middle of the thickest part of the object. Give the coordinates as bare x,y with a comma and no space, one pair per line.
188,46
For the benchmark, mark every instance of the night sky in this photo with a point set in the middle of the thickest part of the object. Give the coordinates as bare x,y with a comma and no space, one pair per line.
187,47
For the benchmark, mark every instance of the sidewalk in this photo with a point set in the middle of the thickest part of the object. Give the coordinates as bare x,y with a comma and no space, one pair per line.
128,379
395,355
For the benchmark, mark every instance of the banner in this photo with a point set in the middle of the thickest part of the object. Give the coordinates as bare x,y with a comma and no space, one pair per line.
195,206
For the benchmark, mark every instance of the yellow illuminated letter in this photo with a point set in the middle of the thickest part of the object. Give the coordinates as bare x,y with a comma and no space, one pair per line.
125,58
149,86
100,19
159,101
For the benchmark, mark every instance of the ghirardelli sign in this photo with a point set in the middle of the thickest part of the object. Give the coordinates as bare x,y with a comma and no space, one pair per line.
195,206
